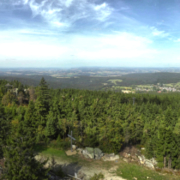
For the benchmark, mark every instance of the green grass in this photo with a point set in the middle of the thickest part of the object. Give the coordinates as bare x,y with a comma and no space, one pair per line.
125,170
114,81
177,85
169,85
45,150
145,86
129,171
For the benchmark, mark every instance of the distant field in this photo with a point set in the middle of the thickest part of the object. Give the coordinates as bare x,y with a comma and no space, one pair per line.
114,81
177,84
63,79
169,85
124,87
145,86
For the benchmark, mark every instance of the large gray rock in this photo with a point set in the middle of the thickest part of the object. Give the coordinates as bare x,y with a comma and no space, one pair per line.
89,152
97,153
110,157
92,153
150,163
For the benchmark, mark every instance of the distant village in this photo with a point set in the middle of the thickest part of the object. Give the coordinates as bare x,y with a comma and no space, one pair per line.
159,88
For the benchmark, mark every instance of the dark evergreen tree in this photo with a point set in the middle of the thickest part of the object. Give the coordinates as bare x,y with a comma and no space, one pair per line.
42,105
20,162
4,129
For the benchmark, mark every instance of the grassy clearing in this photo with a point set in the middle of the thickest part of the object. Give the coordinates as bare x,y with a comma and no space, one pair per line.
60,154
133,171
114,81
122,87
45,150
169,85
177,85
145,86
125,170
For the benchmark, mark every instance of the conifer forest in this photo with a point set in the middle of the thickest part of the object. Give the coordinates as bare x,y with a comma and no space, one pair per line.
108,120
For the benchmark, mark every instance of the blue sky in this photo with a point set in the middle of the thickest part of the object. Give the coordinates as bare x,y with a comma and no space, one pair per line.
73,33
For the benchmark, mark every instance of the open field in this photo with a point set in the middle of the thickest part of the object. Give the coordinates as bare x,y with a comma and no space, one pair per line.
114,81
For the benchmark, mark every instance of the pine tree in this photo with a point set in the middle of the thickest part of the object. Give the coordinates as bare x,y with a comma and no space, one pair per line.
52,120
20,160
30,120
4,129
42,104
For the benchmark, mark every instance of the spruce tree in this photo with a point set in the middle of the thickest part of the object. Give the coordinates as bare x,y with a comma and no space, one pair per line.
20,163
4,129
30,120
42,104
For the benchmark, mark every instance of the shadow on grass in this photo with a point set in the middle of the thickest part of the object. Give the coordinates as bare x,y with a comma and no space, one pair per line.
40,148
69,169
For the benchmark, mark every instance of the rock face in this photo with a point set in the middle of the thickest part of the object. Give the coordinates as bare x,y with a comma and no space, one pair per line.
97,153
92,153
110,157
88,152
74,147
150,163
132,154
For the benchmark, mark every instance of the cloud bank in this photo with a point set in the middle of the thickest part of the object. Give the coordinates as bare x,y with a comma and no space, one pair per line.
89,32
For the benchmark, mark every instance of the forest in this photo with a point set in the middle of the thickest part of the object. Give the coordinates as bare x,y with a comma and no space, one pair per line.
95,82
105,119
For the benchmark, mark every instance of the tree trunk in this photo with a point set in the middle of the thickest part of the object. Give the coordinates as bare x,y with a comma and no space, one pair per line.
169,163
164,161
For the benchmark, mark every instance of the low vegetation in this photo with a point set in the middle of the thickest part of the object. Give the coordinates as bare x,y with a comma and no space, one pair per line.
136,172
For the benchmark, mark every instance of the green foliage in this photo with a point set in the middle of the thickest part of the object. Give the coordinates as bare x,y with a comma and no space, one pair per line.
107,120
9,98
97,176
132,171
20,162
62,144
4,129
60,173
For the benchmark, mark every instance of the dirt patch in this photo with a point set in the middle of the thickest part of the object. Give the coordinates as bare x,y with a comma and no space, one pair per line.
70,153
130,150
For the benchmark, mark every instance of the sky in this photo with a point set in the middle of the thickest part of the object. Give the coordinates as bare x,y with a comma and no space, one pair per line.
83,33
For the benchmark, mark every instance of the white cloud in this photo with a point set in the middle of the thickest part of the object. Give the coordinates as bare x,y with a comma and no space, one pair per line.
34,32
68,2
98,7
177,40
31,50
118,46
102,11
59,24
69,11
156,32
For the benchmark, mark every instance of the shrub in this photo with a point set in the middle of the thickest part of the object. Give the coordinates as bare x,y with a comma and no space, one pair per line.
97,176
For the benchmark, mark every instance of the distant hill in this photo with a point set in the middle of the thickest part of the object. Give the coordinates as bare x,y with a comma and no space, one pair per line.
97,83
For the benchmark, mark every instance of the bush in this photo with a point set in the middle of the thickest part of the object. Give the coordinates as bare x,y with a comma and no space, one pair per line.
63,144
60,173
97,176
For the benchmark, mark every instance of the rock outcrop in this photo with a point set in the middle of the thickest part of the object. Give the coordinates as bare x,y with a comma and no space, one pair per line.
92,153
150,163
110,157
